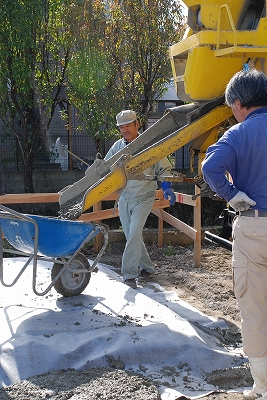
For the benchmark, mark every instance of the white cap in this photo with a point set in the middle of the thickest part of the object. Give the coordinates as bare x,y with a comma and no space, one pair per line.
125,117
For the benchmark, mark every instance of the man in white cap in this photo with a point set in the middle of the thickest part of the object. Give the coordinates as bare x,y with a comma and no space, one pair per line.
135,204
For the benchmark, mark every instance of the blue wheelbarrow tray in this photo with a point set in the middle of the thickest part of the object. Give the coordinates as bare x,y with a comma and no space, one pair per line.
53,240
57,237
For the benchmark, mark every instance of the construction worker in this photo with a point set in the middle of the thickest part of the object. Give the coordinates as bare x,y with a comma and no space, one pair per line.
242,152
135,204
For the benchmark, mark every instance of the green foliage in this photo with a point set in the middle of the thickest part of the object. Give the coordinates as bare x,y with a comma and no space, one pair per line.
91,93
171,159
123,62
99,55
35,46
121,229
91,76
142,32
169,250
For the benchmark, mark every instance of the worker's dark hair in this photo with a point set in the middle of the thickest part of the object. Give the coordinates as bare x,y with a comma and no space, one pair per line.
249,87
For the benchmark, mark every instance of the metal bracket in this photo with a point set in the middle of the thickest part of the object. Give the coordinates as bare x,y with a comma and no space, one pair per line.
205,190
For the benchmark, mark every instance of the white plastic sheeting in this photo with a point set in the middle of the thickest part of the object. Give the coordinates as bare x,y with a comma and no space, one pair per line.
148,330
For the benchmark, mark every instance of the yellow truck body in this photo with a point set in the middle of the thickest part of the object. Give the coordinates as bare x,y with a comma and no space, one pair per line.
222,37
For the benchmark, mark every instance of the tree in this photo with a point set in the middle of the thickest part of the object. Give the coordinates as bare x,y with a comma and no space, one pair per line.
35,46
125,61
142,31
103,54
91,76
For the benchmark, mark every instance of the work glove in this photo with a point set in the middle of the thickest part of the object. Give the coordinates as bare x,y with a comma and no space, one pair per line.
241,202
168,192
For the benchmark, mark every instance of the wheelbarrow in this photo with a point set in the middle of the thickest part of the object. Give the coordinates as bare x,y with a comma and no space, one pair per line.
53,240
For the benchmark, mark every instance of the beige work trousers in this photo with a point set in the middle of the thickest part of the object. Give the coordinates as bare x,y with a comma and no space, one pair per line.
249,261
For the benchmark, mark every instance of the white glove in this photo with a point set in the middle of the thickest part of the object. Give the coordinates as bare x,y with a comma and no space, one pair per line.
241,202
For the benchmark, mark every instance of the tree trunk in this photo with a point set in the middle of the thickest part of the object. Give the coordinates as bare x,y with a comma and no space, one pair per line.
28,178
2,190
146,107
99,148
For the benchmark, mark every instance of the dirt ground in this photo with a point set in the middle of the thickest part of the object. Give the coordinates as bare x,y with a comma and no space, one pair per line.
208,288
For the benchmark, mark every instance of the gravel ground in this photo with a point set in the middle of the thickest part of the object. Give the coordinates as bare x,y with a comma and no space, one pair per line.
208,288
94,384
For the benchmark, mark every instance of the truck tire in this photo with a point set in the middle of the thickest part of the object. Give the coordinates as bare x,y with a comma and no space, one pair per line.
69,284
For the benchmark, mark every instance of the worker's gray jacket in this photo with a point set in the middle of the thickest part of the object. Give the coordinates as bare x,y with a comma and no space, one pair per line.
137,188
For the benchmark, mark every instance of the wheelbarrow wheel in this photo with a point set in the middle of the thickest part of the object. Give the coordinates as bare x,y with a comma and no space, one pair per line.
72,283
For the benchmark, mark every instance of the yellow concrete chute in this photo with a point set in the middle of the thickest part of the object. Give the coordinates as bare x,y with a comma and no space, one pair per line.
135,165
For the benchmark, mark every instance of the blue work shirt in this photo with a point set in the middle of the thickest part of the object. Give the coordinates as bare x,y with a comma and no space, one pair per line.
241,151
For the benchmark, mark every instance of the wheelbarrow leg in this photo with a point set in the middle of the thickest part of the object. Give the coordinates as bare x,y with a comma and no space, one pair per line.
103,248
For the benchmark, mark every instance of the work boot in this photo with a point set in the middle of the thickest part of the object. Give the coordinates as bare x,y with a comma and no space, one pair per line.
131,283
250,394
144,276
258,369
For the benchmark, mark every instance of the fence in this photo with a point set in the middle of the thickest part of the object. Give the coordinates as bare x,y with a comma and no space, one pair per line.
48,159
158,209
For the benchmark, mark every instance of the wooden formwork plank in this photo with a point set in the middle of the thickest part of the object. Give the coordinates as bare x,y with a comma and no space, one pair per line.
24,198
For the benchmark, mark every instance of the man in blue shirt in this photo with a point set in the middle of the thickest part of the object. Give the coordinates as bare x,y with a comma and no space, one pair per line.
242,153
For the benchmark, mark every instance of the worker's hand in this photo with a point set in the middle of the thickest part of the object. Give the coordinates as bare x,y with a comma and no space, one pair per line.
168,192
241,202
